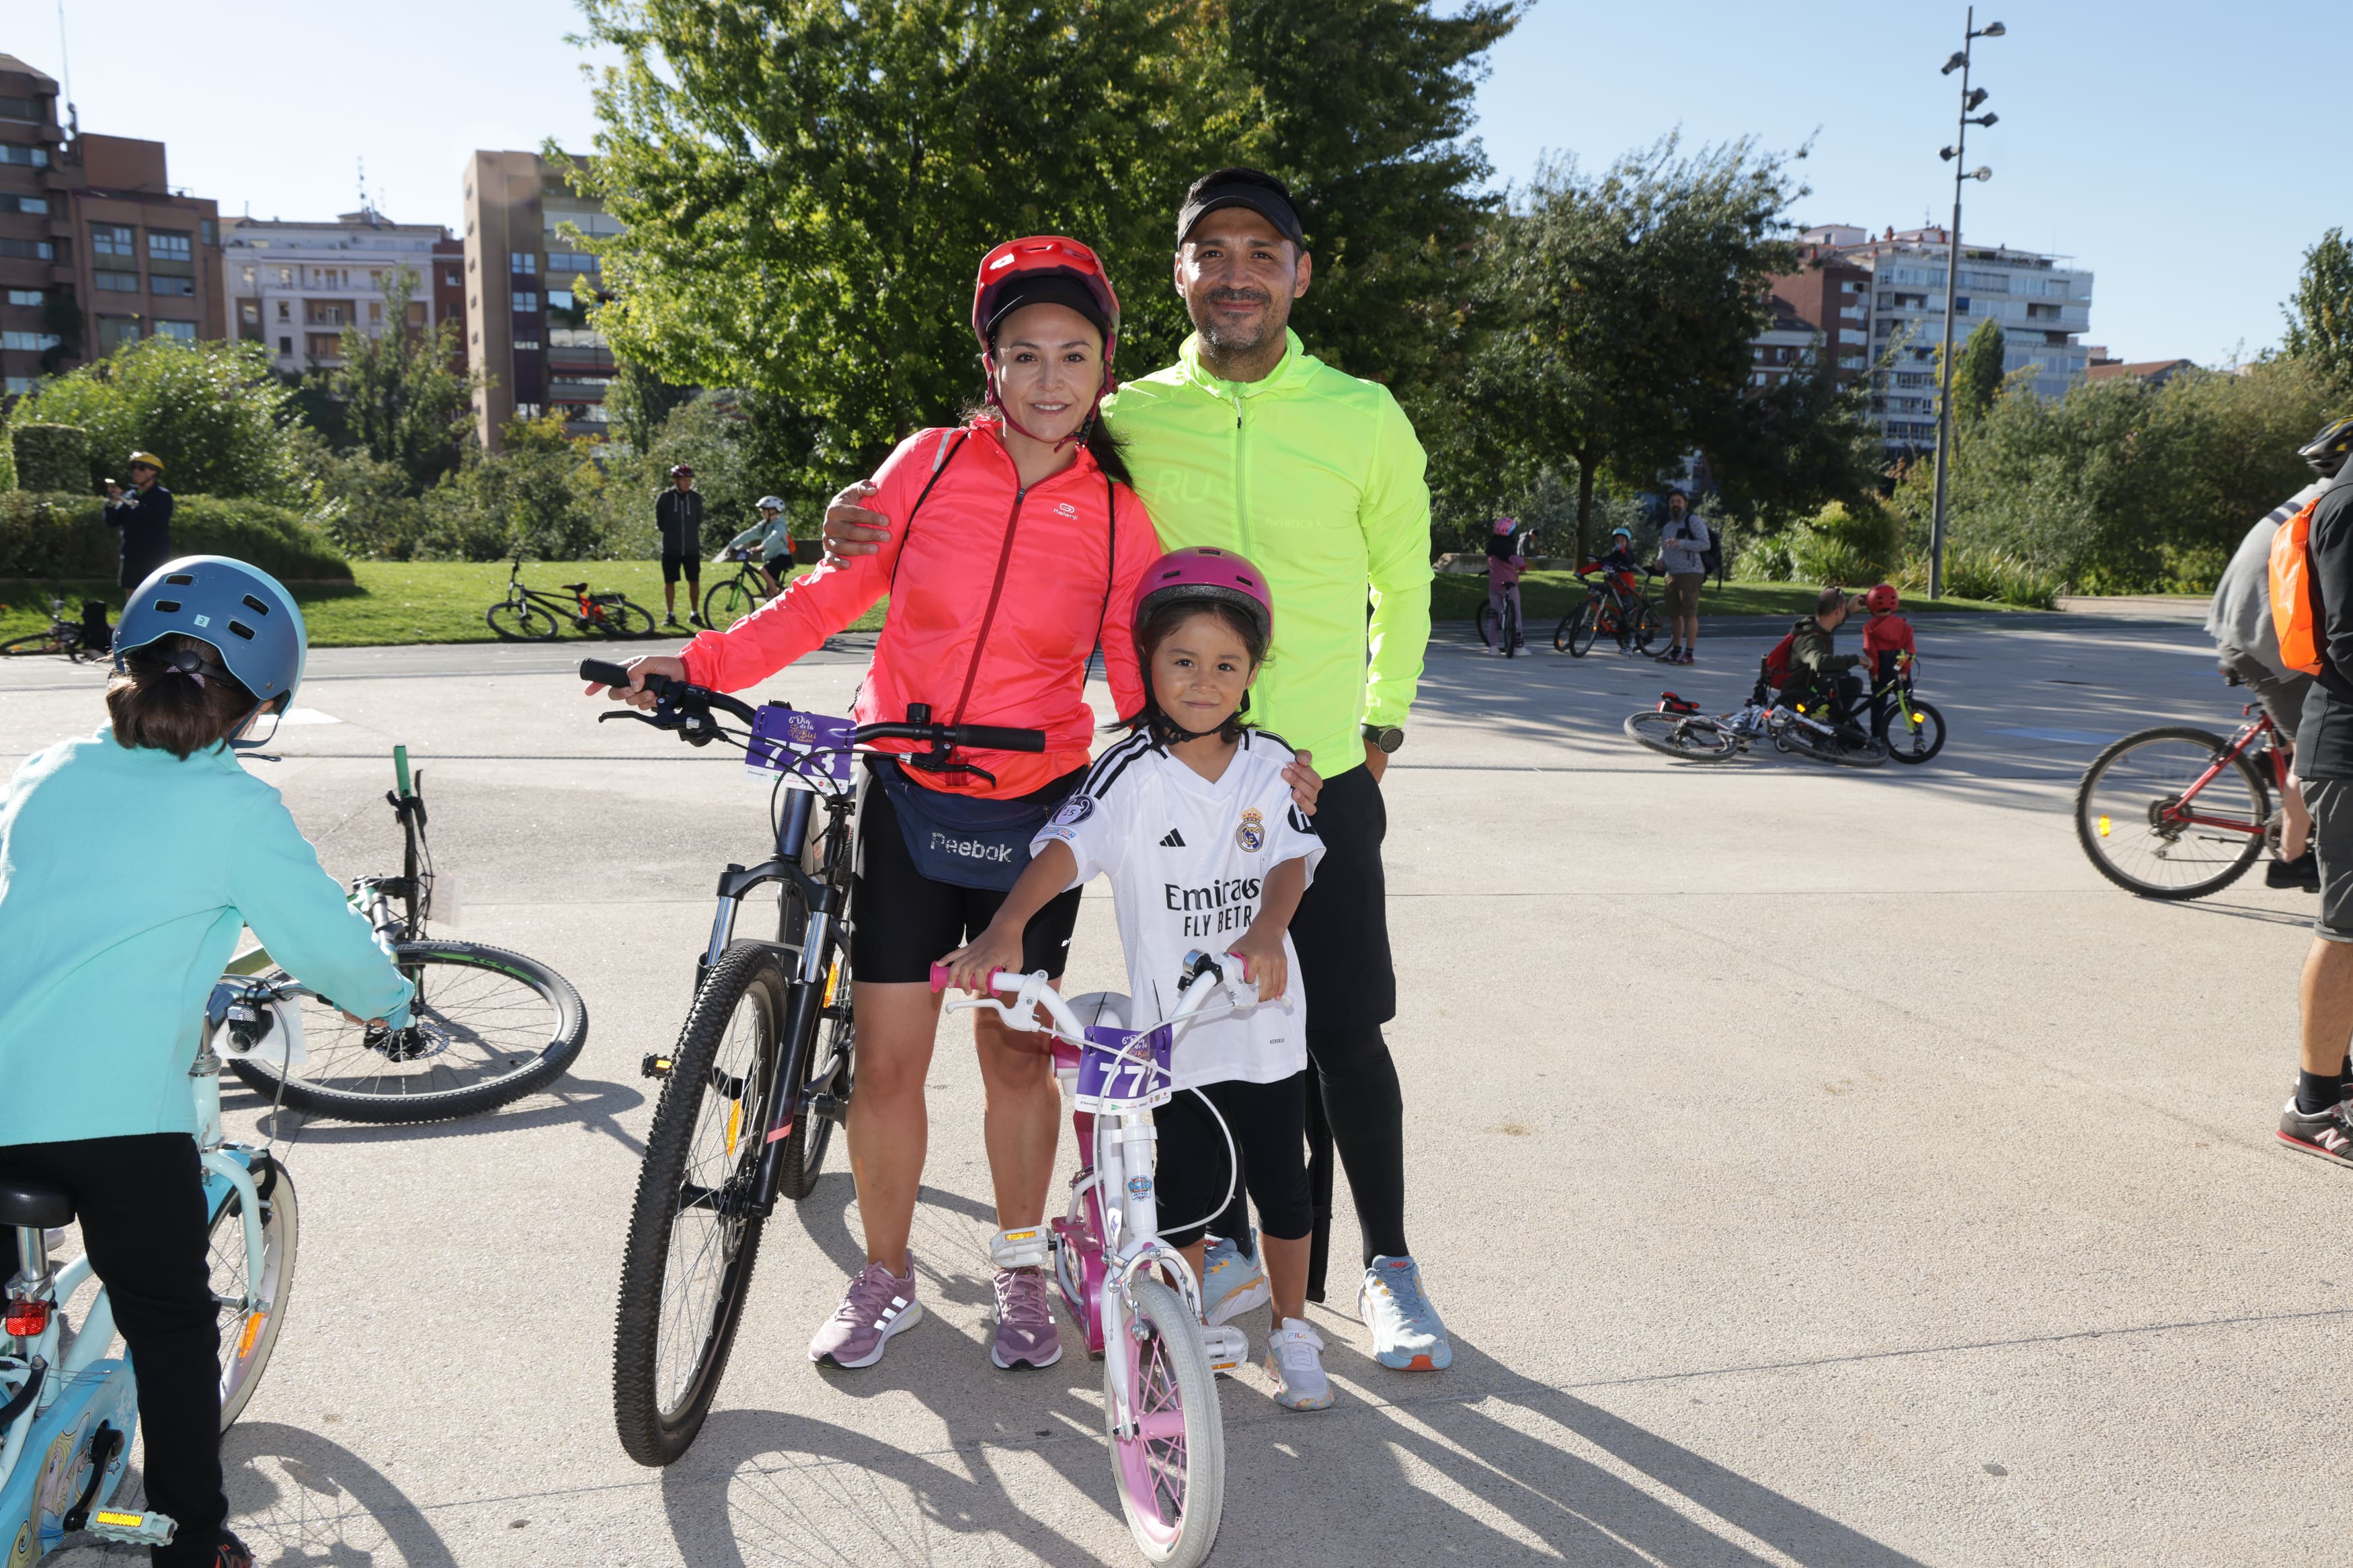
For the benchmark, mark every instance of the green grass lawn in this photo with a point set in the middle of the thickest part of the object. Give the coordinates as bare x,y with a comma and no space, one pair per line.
398,601
443,601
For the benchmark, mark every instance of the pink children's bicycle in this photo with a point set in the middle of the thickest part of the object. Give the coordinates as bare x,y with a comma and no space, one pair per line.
1160,1364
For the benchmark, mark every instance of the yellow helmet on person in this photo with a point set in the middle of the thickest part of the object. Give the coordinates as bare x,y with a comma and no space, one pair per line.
148,460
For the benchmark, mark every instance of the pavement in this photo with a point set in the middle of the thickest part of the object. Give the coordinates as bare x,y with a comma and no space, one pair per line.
1815,1166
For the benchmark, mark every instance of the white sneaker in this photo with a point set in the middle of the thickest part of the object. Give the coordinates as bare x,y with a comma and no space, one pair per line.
1231,1283
1407,1334
1295,1360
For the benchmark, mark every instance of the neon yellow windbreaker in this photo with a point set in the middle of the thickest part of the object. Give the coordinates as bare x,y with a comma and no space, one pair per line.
1317,477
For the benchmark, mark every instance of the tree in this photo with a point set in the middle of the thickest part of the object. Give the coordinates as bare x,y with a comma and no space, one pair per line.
1805,443
1619,311
637,401
1977,373
2320,317
400,401
539,493
215,412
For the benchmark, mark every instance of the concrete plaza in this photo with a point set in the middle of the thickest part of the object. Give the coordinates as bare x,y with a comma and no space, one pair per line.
1815,1167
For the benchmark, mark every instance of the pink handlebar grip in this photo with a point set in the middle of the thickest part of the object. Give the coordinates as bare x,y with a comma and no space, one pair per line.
939,976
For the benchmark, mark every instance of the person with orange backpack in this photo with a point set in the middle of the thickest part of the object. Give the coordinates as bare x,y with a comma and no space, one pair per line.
2312,615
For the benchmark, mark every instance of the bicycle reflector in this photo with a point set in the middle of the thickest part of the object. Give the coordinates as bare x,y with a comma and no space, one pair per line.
654,1066
2104,826
26,1319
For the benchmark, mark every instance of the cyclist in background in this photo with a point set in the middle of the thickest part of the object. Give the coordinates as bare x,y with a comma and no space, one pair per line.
1887,649
1618,560
1159,812
769,542
2246,645
130,861
1507,554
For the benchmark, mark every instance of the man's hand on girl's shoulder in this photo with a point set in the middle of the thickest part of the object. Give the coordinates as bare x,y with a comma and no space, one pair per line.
1306,782
849,528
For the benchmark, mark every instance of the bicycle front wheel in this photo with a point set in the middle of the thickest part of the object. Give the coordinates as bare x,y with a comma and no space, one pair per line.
1645,630
1684,735
1486,621
1916,731
1170,1462
727,603
32,642
1582,627
247,1337
489,1027
694,1231
2171,814
523,622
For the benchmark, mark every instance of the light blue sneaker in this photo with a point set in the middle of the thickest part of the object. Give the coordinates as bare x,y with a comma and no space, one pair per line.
1231,1283
1407,1334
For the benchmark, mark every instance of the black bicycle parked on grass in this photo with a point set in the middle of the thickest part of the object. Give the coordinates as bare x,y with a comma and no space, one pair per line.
78,640
764,1067
533,615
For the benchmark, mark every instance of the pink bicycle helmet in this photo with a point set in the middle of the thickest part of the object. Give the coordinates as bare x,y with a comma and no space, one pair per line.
1208,574
1507,525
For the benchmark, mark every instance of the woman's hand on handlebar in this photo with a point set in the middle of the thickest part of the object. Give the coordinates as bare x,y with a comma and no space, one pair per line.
635,694
992,951
1306,782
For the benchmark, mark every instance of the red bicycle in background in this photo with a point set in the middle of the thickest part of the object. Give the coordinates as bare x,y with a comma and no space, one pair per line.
2177,813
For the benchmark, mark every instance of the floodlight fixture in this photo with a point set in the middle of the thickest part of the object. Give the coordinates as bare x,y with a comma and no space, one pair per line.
1976,95
1956,63
1992,30
1981,173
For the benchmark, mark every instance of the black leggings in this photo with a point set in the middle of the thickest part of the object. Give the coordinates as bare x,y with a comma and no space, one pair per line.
1363,1110
141,1202
1268,1123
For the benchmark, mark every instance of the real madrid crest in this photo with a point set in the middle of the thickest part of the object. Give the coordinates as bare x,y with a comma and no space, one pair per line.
1251,834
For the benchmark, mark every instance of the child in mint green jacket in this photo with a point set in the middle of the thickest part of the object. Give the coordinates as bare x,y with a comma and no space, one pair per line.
130,860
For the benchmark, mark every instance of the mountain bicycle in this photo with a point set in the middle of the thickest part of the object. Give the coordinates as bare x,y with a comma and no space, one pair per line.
1915,729
1610,609
68,1410
2178,813
1160,1397
533,615
730,599
1514,638
70,639
487,1025
1676,728
764,1067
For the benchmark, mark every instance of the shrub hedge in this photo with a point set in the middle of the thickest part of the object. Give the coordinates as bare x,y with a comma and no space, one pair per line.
50,457
54,535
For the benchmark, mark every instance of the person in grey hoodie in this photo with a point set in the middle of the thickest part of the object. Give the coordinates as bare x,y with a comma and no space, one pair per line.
1682,540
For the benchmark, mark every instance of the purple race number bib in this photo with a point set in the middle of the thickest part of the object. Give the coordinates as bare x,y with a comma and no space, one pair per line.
811,751
1108,1081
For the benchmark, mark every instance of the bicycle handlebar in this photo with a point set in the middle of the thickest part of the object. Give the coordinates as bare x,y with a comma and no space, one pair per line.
974,737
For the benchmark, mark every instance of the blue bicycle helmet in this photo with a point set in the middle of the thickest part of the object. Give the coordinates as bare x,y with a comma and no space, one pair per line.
242,612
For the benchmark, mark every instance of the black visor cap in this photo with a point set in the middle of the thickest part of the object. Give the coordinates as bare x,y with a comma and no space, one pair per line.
1269,204
1047,288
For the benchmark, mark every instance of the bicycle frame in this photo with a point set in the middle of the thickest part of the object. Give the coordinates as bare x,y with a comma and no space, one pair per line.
2177,813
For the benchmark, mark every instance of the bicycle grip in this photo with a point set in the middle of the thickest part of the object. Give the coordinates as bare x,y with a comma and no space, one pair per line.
603,672
939,977
991,738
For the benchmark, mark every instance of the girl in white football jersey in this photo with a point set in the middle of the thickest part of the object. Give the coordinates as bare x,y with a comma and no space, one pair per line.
1191,820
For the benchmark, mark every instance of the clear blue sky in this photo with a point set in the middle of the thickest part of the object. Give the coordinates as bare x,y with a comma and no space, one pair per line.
2158,143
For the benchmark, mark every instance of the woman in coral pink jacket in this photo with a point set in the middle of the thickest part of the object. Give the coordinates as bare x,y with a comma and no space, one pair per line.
1015,552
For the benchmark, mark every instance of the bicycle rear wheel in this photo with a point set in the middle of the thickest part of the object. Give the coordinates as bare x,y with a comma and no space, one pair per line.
1685,735
1511,638
248,1338
1486,624
694,1233
1915,735
489,1027
1170,1467
1847,747
2130,814
1581,628
31,643
524,622
627,620
727,603
1645,630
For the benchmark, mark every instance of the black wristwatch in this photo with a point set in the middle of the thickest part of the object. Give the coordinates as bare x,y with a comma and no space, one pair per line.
1388,737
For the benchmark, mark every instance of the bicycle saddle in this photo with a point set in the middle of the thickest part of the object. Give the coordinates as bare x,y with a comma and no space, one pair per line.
33,1204
575,587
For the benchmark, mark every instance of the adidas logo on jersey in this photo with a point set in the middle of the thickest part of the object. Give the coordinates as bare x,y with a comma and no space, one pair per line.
1174,840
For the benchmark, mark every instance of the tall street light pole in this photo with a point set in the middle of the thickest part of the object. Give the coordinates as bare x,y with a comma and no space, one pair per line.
1961,171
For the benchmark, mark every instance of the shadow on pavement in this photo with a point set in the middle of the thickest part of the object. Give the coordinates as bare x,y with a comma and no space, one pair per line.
594,1106
295,1497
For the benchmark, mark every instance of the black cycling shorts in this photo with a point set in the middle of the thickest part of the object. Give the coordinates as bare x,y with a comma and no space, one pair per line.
673,564
907,922
1269,1125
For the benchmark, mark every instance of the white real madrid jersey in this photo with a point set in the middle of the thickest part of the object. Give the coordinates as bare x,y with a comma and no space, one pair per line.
1187,859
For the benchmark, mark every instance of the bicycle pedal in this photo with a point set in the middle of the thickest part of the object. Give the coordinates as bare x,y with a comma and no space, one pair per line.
654,1065
1228,1346
149,1529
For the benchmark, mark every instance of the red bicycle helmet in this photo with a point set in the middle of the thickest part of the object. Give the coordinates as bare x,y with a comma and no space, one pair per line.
1881,600
1207,573
1044,270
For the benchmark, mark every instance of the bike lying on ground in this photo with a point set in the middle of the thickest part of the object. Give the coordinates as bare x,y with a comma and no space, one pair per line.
1611,609
68,1410
1676,728
71,638
487,1025
764,1067
1915,729
2178,813
730,599
533,615
1160,1396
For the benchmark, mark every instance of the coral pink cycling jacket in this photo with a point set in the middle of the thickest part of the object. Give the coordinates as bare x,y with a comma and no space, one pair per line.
997,597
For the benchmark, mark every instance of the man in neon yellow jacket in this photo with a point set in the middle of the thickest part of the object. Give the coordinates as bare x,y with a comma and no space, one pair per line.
1250,443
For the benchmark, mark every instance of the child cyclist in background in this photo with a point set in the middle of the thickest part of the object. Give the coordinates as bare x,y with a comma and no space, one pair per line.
1191,820
1887,652
1507,557
130,860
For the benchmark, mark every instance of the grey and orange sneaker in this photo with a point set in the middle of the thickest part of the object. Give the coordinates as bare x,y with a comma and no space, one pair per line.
877,1306
1231,1284
1407,1334
1026,1333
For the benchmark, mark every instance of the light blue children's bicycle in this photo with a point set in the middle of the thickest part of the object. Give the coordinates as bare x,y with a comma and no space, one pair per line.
68,1409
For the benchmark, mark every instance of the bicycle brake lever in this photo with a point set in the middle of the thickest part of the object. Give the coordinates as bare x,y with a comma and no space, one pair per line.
640,718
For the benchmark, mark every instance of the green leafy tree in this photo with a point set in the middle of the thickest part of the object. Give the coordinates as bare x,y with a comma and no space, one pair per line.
2320,317
1618,310
401,401
1805,443
215,412
637,401
541,493
1977,373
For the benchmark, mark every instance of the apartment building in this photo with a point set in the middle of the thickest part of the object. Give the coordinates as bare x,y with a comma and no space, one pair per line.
293,287
2042,305
527,286
96,249
1823,309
